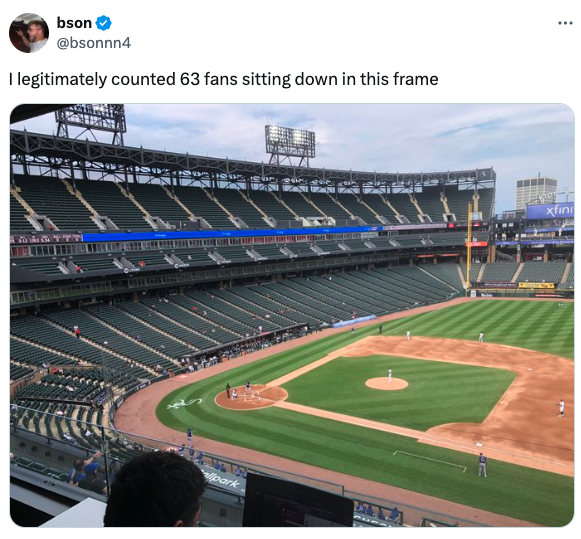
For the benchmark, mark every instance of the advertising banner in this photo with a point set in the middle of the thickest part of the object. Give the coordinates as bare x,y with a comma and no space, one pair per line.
559,210
536,285
498,285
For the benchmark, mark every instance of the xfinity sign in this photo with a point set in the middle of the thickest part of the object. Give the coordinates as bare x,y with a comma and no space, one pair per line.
560,210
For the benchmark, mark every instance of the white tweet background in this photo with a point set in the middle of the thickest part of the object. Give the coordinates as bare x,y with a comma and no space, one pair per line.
482,52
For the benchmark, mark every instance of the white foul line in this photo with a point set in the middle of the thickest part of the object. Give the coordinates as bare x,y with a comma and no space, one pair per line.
434,460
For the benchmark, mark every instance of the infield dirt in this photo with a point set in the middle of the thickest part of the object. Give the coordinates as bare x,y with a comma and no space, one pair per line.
523,428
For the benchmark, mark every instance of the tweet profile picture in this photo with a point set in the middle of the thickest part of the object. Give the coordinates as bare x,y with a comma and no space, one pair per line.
28,32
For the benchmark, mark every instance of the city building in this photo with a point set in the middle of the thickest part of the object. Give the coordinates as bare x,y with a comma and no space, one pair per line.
537,190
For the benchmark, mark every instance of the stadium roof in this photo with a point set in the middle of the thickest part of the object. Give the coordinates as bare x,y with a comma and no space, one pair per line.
112,158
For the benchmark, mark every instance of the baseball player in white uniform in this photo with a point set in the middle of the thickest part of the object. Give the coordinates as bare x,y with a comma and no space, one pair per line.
408,335
561,408
481,337
389,376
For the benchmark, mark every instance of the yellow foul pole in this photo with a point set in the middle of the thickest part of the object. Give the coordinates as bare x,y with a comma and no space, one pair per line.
469,248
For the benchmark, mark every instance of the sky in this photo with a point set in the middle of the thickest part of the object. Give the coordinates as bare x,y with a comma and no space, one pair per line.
518,140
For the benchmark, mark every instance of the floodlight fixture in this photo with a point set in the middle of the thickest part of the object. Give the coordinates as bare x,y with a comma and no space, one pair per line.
93,118
285,143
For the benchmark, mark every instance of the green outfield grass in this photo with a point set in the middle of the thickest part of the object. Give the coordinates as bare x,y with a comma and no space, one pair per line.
437,392
510,490
536,325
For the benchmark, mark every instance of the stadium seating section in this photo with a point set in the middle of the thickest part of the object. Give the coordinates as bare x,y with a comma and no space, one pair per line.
202,206
569,284
499,272
49,196
404,206
458,201
300,204
358,208
271,206
540,272
108,201
158,203
475,270
18,221
124,343
329,207
431,204
447,273
379,206
237,205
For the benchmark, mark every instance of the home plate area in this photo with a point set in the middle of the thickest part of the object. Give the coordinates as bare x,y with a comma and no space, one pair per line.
259,396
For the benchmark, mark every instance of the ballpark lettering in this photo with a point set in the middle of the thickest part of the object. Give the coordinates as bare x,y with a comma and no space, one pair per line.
547,211
559,210
215,478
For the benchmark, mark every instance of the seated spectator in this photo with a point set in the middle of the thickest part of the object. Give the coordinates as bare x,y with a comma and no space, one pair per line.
238,471
83,467
394,515
223,468
217,465
94,483
381,514
156,490
360,508
369,511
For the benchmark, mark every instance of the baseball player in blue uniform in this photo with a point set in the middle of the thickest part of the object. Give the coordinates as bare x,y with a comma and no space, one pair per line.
482,460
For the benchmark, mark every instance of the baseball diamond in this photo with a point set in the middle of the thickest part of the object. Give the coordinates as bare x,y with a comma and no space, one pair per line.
400,344
462,397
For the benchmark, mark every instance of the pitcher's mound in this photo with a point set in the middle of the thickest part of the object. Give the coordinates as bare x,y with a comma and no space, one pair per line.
259,396
385,384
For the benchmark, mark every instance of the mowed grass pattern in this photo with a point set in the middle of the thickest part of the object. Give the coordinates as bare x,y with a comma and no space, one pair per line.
510,490
542,326
437,392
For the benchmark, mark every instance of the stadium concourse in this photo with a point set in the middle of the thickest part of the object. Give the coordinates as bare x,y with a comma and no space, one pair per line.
120,280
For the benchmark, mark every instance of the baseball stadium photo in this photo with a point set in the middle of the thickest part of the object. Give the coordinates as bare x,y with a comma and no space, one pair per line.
257,299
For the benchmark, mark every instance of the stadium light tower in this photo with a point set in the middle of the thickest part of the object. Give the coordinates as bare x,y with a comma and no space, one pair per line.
284,143
93,118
